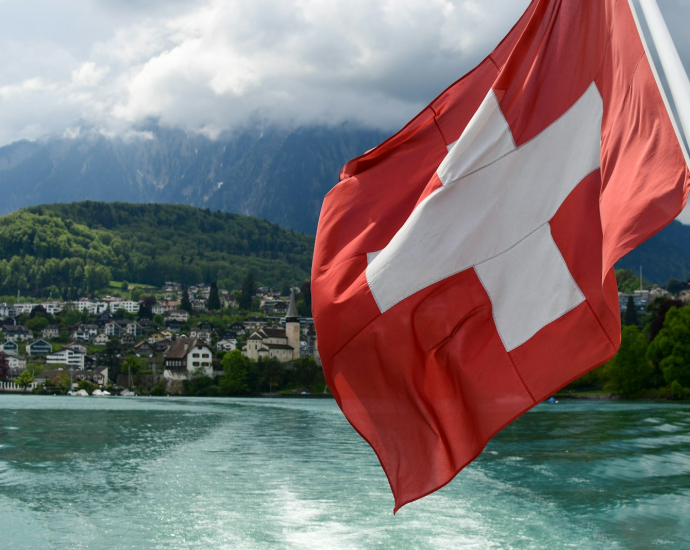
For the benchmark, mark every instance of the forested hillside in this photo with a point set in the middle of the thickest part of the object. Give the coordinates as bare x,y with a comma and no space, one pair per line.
666,255
68,250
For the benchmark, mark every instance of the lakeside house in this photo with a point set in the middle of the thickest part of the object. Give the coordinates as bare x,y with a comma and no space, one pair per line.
181,358
98,376
185,357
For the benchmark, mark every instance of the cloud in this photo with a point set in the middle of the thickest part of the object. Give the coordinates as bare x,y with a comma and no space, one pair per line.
214,65
308,61
210,66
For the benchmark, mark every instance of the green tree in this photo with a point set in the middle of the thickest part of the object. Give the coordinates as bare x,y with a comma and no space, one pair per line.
213,302
628,281
158,320
629,373
4,366
87,386
657,311
131,364
146,307
306,373
678,391
185,304
37,324
61,381
630,317
248,292
235,380
24,379
674,286
305,295
670,350
110,357
119,314
70,317
272,372
595,379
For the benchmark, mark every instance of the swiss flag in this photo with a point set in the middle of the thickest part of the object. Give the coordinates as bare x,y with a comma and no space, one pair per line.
463,269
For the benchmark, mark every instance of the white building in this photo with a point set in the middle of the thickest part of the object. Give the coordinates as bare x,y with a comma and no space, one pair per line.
94,308
7,310
66,357
52,308
281,343
128,305
185,356
39,347
134,329
24,307
227,345
13,360
16,333
641,299
177,315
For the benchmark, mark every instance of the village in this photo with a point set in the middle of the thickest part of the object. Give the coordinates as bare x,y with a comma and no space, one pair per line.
164,339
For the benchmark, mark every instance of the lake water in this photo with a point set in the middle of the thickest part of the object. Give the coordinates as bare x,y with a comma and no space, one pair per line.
189,473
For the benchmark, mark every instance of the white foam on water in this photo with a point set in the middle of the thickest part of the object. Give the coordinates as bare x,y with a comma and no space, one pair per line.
293,475
309,525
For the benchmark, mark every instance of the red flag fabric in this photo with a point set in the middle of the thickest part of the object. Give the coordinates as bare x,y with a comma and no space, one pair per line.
463,269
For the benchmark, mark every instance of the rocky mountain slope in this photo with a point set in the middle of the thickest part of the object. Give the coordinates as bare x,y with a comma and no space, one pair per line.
274,174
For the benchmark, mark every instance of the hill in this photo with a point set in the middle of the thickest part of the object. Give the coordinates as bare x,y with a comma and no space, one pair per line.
665,255
271,173
66,250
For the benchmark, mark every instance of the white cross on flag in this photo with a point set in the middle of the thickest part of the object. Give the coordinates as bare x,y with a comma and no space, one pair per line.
463,269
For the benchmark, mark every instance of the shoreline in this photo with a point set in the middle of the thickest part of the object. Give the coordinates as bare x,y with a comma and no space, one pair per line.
251,396
592,396
613,397
558,396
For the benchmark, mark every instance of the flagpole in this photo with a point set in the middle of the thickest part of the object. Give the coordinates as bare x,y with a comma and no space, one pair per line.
677,78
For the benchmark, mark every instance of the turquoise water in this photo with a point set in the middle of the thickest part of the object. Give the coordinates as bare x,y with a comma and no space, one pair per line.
183,473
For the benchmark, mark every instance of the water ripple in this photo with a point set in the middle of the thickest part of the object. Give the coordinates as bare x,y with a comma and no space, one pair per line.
176,473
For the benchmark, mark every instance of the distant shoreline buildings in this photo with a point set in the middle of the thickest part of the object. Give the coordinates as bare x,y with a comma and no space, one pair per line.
179,346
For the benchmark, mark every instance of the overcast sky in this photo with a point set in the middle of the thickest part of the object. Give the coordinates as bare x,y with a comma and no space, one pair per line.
212,65
72,66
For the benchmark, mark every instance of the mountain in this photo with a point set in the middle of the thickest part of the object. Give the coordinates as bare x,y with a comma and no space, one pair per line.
272,173
68,250
666,255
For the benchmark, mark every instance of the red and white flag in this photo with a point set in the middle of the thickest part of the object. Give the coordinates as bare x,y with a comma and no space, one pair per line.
463,269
